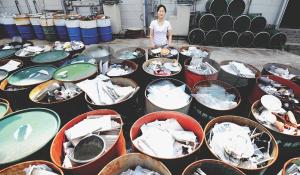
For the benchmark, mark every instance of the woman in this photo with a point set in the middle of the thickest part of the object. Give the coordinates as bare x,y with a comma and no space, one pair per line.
160,29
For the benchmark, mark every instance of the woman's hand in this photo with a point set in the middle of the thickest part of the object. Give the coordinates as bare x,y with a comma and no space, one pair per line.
152,46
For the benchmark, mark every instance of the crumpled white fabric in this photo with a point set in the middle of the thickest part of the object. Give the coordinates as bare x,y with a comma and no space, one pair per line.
88,126
236,68
166,95
160,138
39,170
232,139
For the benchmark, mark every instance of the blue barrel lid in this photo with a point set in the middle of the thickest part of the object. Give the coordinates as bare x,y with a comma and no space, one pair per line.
25,132
3,74
50,57
31,75
7,53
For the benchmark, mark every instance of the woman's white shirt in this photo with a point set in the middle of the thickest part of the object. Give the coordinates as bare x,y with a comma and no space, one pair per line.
160,32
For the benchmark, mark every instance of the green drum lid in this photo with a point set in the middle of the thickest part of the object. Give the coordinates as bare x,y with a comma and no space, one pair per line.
3,74
3,109
25,132
31,75
50,57
81,58
75,72
7,53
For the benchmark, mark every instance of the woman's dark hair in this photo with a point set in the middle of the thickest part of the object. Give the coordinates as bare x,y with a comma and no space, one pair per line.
162,7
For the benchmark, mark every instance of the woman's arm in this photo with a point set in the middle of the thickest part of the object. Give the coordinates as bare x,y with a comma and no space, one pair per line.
151,38
170,38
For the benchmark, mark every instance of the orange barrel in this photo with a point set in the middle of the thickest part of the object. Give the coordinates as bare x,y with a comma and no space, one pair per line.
4,108
123,64
207,113
151,107
192,78
19,168
43,95
257,92
254,128
212,166
130,161
289,145
176,165
91,168
289,164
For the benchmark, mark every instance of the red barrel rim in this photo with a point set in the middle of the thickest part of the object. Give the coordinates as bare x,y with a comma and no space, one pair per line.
163,115
72,123
211,161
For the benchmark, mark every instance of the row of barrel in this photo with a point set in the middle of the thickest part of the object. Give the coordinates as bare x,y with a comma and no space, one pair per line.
116,160
188,122
90,30
225,24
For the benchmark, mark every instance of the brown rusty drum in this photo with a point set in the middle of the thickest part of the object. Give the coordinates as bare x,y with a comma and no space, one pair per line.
212,166
130,161
244,122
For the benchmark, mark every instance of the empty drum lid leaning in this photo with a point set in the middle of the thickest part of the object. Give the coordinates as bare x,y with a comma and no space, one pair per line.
75,72
31,75
50,57
26,129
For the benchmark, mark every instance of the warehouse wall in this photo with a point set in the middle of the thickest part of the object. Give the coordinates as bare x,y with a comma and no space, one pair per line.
132,10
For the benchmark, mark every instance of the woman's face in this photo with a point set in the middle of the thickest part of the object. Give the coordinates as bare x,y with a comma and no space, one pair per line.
161,13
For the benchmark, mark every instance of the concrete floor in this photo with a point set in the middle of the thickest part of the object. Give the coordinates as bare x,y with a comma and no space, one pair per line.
254,56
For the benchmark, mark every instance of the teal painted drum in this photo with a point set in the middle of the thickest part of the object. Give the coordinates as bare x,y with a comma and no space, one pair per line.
50,57
75,72
3,74
31,75
7,53
25,132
